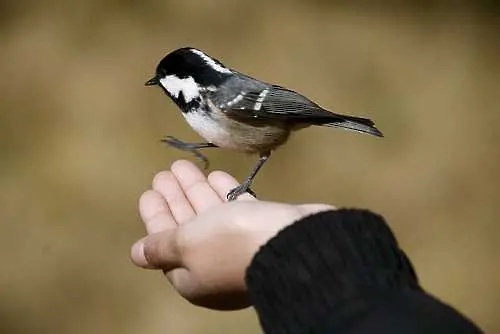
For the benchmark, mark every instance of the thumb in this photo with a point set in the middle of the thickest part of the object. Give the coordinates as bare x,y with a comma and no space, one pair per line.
157,251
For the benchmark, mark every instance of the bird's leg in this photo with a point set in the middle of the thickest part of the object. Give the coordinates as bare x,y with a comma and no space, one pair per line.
245,186
191,147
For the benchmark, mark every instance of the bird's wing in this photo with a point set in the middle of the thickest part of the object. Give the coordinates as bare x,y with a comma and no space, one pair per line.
278,103
275,102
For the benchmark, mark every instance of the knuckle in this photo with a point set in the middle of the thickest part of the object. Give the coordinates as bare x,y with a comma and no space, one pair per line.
152,251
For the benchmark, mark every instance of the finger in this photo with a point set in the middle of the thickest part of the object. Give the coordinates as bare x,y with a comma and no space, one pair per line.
222,183
137,255
157,251
166,183
154,212
195,186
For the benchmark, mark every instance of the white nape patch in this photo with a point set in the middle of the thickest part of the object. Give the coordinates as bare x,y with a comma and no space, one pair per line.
175,85
211,62
260,99
237,99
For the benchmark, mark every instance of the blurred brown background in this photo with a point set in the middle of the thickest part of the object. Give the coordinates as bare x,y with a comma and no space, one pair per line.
79,142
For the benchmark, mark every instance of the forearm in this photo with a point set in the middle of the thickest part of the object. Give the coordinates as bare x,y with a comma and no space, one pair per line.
341,271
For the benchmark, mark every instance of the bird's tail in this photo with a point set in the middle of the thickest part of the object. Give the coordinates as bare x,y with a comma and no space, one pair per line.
354,123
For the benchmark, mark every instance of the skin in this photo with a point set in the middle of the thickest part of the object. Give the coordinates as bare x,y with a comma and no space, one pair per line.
203,243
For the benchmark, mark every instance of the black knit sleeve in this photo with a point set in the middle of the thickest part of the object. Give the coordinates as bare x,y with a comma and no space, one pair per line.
343,272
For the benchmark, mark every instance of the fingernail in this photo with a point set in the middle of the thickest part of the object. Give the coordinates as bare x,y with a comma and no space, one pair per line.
137,255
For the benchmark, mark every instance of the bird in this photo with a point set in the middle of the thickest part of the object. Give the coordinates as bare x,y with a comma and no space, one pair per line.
232,110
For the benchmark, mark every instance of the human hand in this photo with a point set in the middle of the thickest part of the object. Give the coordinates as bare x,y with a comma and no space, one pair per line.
202,243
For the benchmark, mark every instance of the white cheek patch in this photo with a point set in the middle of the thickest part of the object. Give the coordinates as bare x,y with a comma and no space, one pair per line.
210,62
175,86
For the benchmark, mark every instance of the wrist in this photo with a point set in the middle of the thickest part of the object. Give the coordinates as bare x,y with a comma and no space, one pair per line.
323,260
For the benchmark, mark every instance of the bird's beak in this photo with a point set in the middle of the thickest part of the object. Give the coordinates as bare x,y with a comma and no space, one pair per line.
152,82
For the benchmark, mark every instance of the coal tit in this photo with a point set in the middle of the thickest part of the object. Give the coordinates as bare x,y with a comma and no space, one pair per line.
232,110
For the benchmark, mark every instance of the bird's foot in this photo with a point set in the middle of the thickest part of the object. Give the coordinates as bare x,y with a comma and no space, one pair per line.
190,147
233,194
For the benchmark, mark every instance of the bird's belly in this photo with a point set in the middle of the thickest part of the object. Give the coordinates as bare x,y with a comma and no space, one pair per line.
249,136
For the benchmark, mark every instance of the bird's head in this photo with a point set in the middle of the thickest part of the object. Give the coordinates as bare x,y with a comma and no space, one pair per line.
184,72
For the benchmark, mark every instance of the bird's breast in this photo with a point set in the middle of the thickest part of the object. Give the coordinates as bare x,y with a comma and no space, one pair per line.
207,127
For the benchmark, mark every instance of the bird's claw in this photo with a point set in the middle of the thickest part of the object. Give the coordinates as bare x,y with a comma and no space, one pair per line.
233,194
204,159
